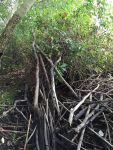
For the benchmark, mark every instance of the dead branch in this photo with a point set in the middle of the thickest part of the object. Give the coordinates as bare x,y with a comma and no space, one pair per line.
79,104
54,96
36,95
25,146
83,131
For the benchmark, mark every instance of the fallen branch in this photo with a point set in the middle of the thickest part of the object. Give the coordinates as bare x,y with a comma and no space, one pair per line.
83,131
79,127
72,111
100,137
25,146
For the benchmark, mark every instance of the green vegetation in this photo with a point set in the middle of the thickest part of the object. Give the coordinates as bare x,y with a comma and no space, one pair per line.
79,30
6,98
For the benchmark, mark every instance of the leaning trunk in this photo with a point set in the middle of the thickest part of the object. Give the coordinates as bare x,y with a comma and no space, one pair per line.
8,31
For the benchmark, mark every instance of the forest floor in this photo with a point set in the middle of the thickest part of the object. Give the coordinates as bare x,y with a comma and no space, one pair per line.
85,122
49,113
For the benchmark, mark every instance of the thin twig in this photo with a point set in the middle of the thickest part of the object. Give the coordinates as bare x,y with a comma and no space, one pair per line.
100,137
26,141
108,129
83,131
44,69
31,134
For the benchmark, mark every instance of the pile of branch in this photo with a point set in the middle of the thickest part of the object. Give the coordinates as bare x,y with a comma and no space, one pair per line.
81,120
64,116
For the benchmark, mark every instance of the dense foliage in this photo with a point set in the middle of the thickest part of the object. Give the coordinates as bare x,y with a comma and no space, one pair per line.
79,30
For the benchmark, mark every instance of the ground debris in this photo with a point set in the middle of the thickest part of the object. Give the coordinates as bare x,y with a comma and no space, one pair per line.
66,116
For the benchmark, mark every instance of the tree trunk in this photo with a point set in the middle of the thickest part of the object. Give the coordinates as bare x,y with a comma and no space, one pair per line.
8,31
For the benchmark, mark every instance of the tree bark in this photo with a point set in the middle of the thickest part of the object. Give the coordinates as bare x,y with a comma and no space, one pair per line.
9,29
